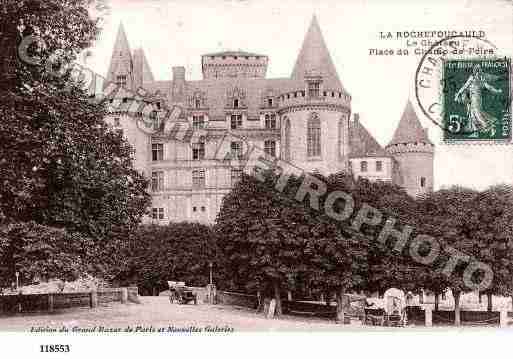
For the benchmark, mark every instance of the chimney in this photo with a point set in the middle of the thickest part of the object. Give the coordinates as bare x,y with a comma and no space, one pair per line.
178,73
178,90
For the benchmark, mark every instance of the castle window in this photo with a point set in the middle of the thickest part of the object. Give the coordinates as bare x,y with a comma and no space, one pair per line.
198,122
340,94
157,181
314,136
125,100
194,209
302,93
203,209
158,105
270,121
363,166
333,94
157,213
443,295
235,57
325,94
314,89
155,120
236,103
295,94
198,151
197,103
236,175
157,151
270,102
198,178
422,182
270,147
236,149
121,80
379,166
288,95
236,122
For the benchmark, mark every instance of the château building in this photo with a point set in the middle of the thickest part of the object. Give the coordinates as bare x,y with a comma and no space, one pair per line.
304,119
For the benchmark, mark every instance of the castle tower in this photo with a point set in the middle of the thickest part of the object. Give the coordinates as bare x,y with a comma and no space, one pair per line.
315,110
413,152
121,68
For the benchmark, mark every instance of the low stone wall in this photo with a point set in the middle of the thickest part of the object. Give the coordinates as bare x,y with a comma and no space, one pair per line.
239,299
26,303
319,310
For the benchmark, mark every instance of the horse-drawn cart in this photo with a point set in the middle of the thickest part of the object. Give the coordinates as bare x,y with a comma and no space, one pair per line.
179,293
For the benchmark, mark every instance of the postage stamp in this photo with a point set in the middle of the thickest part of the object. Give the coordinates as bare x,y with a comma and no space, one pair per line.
476,99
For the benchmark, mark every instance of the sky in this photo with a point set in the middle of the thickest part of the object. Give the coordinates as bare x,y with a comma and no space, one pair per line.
178,32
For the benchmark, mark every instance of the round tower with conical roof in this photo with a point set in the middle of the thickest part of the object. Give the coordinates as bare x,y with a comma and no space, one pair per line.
413,153
315,110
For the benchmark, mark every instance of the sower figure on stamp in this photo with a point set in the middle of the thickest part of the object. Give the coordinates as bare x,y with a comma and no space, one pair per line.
470,94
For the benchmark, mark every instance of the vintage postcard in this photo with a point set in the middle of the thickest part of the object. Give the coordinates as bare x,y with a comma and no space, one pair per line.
200,169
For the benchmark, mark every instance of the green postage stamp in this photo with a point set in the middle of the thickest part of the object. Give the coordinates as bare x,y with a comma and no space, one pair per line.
476,99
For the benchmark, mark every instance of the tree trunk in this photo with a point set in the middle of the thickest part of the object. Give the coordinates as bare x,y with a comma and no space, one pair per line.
457,318
277,297
342,305
437,300
328,299
489,297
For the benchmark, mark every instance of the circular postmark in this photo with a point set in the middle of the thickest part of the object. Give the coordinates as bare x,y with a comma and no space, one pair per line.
463,86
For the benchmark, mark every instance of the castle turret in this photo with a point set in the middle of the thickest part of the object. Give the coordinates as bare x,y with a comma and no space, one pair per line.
315,109
121,68
413,152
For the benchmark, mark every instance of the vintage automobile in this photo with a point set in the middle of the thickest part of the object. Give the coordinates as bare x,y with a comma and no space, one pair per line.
179,293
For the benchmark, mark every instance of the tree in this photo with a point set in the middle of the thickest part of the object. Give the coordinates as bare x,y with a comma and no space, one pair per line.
262,236
39,253
60,164
445,216
178,251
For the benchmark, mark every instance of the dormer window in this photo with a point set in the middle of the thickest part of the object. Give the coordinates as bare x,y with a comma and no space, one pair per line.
270,102
197,103
236,103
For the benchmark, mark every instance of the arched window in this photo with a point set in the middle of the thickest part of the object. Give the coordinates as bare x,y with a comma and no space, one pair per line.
313,136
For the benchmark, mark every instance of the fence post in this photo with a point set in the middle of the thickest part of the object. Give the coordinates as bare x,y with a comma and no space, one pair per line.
94,298
503,318
124,295
51,302
429,315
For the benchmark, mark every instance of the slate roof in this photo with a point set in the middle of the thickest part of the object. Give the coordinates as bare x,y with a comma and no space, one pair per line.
410,129
234,53
362,143
315,58
120,54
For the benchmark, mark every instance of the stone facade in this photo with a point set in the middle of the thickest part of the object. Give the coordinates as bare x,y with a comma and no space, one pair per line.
305,119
